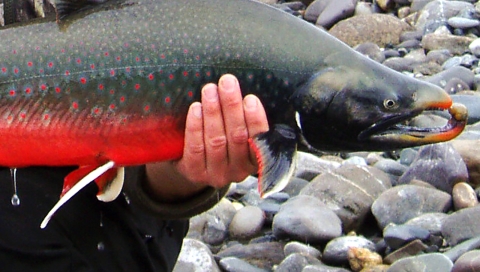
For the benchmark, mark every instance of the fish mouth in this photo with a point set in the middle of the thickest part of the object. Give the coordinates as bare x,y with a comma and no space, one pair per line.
394,129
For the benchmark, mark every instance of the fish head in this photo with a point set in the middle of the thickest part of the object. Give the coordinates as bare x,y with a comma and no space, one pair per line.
342,109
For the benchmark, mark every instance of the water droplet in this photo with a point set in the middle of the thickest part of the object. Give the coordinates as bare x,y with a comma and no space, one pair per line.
15,200
101,219
127,199
100,246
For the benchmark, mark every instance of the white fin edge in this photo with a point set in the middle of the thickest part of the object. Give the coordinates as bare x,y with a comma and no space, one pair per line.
282,183
75,189
114,188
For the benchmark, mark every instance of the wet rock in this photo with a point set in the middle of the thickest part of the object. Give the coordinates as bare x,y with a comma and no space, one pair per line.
261,255
461,225
401,64
469,150
429,221
327,13
371,50
407,156
457,45
441,79
247,223
309,166
426,262
401,203
294,186
439,165
438,56
468,262
455,252
397,236
297,247
411,249
436,13
195,256
463,196
323,268
456,85
232,264
391,167
462,23
336,251
296,262
380,29
306,218
474,47
360,258
349,191
471,102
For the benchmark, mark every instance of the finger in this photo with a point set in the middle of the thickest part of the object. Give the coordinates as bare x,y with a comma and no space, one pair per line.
193,160
234,121
214,134
255,118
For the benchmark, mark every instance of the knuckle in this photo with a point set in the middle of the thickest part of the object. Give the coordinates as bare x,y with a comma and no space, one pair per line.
196,149
239,136
217,142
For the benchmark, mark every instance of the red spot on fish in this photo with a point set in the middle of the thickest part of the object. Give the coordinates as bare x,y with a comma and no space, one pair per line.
150,76
197,74
96,110
185,51
43,87
58,90
79,61
50,64
122,99
67,73
137,86
40,71
208,73
185,73
112,72
167,99
4,70
29,64
12,93
28,90
250,76
15,70
112,106
197,57
190,93
162,56
126,44
137,59
63,50
118,58
46,116
14,51
106,54
112,91
127,69
92,66
75,105
100,86
10,118
175,61
171,76
23,115
146,108
83,80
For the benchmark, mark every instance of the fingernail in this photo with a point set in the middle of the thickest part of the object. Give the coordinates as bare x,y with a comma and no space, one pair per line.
197,110
250,102
210,92
228,83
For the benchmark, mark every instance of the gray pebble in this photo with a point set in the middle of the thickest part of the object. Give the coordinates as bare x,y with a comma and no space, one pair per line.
423,263
461,225
462,23
391,167
335,251
296,262
455,252
429,221
195,256
323,268
468,262
306,218
297,247
401,203
407,156
411,249
233,264
438,164
262,255
397,236
246,223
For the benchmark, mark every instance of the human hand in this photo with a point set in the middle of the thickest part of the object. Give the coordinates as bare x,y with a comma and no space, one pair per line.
216,150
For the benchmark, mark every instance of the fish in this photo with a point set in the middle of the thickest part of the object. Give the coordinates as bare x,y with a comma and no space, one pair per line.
107,84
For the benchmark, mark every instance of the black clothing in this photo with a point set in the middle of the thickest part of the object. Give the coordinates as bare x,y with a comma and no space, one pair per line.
85,234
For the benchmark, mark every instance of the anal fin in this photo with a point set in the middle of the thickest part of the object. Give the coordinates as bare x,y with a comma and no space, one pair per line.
72,187
276,152
110,184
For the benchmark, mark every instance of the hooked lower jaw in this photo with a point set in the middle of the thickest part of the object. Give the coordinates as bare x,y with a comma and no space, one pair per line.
409,136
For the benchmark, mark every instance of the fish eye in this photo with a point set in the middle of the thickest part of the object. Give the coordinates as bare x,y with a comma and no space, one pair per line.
389,104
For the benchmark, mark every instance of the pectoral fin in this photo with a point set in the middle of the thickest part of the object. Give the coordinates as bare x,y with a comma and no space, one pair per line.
276,151
74,182
110,184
